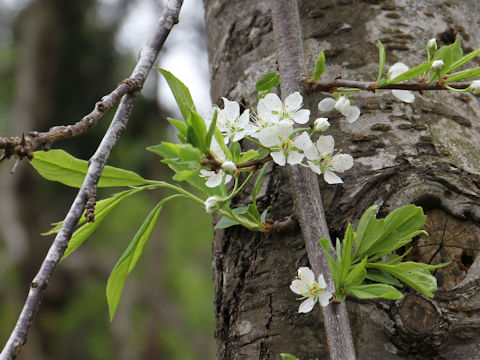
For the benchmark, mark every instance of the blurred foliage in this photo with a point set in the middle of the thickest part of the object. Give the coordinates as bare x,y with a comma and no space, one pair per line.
167,310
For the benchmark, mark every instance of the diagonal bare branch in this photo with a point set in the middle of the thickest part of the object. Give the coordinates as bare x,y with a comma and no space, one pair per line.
306,193
39,284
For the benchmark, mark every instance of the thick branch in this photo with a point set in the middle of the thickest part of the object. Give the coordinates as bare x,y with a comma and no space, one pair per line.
332,85
97,162
308,202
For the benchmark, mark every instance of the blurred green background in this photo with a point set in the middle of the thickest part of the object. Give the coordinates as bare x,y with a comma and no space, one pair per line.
57,58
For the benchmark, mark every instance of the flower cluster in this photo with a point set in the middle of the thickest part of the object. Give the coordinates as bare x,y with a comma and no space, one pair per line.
310,290
273,129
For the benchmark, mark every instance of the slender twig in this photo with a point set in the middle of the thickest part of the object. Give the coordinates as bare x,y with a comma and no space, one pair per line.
332,85
306,194
39,284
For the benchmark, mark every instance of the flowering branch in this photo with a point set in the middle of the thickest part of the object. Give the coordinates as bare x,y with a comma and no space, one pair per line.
39,284
308,202
333,85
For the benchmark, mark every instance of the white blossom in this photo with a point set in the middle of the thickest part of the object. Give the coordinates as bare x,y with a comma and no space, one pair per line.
231,124
438,65
310,290
342,105
475,87
229,167
212,204
395,71
215,178
271,111
322,160
283,148
321,124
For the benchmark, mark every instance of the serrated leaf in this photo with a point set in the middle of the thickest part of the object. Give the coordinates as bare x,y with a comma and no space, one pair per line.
381,60
374,291
180,93
102,209
129,258
267,82
60,166
319,68
413,72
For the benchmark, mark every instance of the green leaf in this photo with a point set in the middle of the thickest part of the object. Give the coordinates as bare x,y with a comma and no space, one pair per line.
288,357
319,67
258,183
263,217
211,129
102,209
180,93
416,275
189,153
381,60
58,165
129,258
382,277
374,291
467,58
464,74
347,251
457,51
197,132
225,222
368,231
248,155
235,150
267,82
185,175
180,125
413,72
357,275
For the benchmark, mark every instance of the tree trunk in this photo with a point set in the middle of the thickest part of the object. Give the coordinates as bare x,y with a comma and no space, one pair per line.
424,153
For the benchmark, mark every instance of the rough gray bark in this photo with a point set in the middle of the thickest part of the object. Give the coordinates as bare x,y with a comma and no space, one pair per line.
424,153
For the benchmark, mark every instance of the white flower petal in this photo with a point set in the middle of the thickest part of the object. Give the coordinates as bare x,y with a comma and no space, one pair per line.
321,124
271,102
239,135
279,158
325,144
341,162
321,282
243,119
215,179
353,114
315,168
295,157
312,153
343,105
299,287
302,141
230,111
326,104
332,178
404,95
307,305
301,116
307,275
293,102
324,298
396,70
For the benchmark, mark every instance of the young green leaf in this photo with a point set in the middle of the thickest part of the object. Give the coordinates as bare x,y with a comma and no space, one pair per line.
356,275
180,93
374,291
319,66
413,72
258,183
180,125
102,209
381,60
248,155
464,74
129,258
58,165
382,277
235,150
467,58
288,357
267,82
197,132
211,129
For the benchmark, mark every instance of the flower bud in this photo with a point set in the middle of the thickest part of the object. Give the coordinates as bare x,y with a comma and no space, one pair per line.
438,65
475,87
229,167
431,48
213,203
321,124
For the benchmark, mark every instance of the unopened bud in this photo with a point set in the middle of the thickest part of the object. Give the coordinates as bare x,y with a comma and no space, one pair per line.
213,203
431,48
229,167
475,87
321,124
438,65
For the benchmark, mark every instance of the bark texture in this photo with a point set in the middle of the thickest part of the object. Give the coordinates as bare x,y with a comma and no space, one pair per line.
425,153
